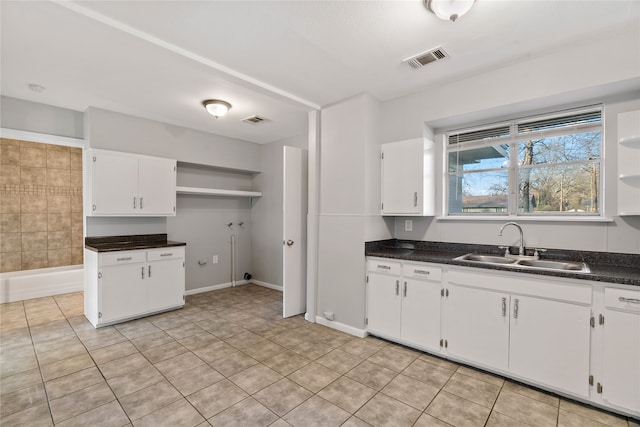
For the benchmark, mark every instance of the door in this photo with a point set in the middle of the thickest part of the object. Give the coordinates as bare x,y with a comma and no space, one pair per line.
621,364
478,325
555,332
294,242
157,186
384,305
122,291
115,184
421,313
165,287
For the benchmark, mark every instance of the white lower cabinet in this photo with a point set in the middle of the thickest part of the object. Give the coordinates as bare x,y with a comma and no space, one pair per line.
578,338
620,383
549,342
477,325
403,303
127,284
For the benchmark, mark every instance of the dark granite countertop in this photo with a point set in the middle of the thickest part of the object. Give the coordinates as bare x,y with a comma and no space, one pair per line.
605,266
129,243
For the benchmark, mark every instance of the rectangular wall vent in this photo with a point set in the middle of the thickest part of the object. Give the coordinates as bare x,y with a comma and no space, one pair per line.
254,120
424,58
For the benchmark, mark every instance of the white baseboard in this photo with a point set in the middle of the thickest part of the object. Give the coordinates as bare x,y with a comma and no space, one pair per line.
214,287
266,285
360,333
18,286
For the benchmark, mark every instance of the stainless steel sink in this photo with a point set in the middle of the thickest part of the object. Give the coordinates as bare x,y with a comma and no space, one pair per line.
491,259
526,264
555,265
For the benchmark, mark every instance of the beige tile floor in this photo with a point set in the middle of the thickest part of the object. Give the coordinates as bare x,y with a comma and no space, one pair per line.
229,359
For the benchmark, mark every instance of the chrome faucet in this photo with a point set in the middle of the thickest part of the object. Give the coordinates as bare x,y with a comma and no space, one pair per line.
515,224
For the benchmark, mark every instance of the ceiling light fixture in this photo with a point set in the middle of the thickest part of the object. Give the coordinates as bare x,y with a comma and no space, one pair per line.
449,10
216,107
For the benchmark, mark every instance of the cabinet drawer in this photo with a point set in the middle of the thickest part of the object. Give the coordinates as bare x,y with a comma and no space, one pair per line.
383,266
622,299
422,271
165,253
122,257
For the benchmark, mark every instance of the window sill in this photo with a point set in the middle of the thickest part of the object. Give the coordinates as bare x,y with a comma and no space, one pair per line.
525,218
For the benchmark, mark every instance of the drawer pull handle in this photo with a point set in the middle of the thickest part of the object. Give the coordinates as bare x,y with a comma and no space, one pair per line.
124,258
629,300
167,254
421,272
384,267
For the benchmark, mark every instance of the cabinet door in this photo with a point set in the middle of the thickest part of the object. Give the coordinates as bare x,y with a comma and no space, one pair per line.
477,325
402,177
621,362
122,291
115,184
165,287
550,343
383,305
157,186
421,313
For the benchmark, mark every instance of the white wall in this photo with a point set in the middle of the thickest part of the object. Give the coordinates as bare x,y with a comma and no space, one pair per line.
349,206
266,214
120,132
40,118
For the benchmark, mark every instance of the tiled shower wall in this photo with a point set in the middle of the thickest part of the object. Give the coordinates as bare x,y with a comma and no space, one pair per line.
40,205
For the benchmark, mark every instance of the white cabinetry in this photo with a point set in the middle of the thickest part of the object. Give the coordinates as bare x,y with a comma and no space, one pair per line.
629,163
383,298
513,324
124,184
408,178
477,325
124,285
620,385
403,302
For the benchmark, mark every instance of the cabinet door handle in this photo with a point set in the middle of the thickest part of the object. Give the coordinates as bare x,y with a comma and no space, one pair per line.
415,199
141,198
134,203
405,289
142,271
397,287
515,308
630,300
504,306
149,275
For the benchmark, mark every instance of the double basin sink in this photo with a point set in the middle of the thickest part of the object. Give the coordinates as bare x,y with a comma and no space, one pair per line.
526,263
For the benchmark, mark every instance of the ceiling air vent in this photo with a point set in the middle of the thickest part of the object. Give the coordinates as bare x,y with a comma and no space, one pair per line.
424,58
254,120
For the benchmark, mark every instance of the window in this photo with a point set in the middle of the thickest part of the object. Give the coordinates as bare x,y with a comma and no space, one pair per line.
544,165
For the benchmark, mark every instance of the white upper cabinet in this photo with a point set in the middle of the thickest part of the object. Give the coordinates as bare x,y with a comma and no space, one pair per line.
629,163
408,178
124,184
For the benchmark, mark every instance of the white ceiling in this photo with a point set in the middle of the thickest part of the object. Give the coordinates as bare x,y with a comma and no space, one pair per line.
276,59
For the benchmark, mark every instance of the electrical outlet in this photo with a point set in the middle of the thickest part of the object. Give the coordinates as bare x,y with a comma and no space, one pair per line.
408,225
214,260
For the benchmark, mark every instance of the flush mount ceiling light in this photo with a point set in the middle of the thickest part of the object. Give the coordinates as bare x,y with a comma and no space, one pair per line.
449,10
216,107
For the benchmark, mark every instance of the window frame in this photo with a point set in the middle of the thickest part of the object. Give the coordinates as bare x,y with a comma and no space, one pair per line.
493,134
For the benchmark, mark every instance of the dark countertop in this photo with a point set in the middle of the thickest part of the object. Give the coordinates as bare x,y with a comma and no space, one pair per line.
129,243
608,267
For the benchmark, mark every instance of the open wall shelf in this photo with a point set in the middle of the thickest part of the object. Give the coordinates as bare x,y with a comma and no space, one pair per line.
215,192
